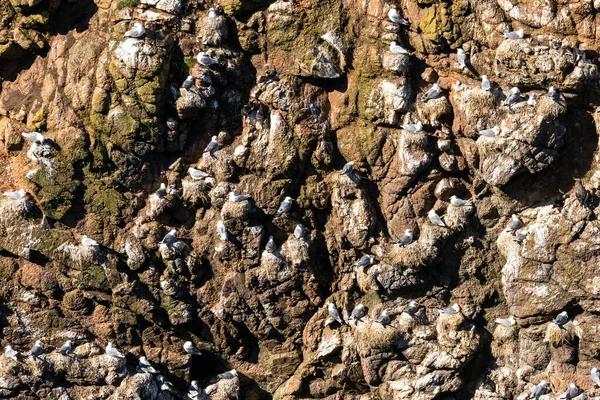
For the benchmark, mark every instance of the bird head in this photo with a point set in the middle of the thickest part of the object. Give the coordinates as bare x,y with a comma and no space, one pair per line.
514,217
214,139
593,371
69,342
460,51
456,306
484,77
142,358
408,231
360,306
38,342
515,90
452,197
413,303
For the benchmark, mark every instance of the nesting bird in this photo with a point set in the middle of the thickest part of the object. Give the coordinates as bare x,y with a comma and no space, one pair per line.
190,348
365,261
18,195
485,83
334,313
405,239
271,246
358,312
594,373
87,242
299,231
514,34
169,238
561,319
9,352
395,48
553,93
113,352
384,318
432,93
164,384
36,350
161,192
212,13
285,206
197,174
572,392
212,146
205,60
412,128
348,168
457,202
412,308
514,95
395,16
491,132
454,309
66,348
136,31
461,57
222,231
521,236
227,374
34,137
540,390
237,198
515,224
188,83
510,321
145,366
435,219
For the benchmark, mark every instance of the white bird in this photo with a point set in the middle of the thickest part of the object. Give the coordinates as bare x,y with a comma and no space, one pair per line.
10,352
190,348
36,350
515,224
405,239
510,321
194,390
561,319
395,16
165,385
358,312
136,31
348,168
87,242
197,174
236,198
66,348
113,352
521,236
485,83
456,202
299,231
212,13
169,238
205,60
212,146
271,246
553,93
161,192
513,96
412,128
514,34
490,132
18,195
285,206
31,173
188,83
461,57
573,392
594,373
454,309
435,219
365,261
222,231
384,318
395,48
432,93
35,137
540,389
334,313
145,366
227,374
412,308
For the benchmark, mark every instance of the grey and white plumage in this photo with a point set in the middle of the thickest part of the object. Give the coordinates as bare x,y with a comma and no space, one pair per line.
461,57
395,48
113,352
553,93
271,246
561,319
36,350
169,238
365,261
161,192
164,384
485,83
194,391
172,123
299,231
384,319
405,239
515,224
435,219
358,312
395,16
572,392
595,374
514,95
412,128
145,366
190,348
510,321
491,132
18,195
237,198
334,313
9,352
514,34
285,206
457,202
540,390
227,374
136,31
35,137
197,174
212,146
453,309
521,236
412,308
433,92
188,83
348,168
222,231
204,59
88,242
212,12
66,348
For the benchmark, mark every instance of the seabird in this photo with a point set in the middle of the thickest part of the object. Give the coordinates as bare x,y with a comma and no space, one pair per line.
136,31
35,137
594,373
66,348
112,352
578,54
299,231
435,219
18,195
405,239
271,246
197,174
169,238
161,192
205,60
194,390
365,261
515,224
456,202
573,392
384,318
36,350
237,198
87,242
412,308
358,312
491,132
165,385
540,390
10,352
212,146
190,348
172,123
285,206
521,236
222,231
513,96
227,374
395,16
454,309
552,93
334,313
485,83
212,12
395,48
514,34
412,128
348,168
145,366
561,319
510,321
188,83
432,93
461,57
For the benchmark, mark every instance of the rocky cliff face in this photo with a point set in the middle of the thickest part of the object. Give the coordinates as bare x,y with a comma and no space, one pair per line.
284,95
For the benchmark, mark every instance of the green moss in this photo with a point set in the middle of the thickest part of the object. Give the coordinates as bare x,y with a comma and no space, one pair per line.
127,3
102,199
189,63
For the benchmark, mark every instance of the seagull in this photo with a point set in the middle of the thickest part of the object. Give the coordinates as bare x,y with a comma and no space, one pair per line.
515,224
145,366
573,392
161,192
212,146
169,238
461,57
412,128
412,308
384,318
435,219
18,195
299,231
454,309
136,31
165,385
190,348
87,242
348,168
552,93
205,60
334,313
395,48
578,54
10,352
197,174
35,137
513,96
365,261
188,83
395,16
514,34
491,132
271,246
237,198
212,13
594,373
36,350
485,83
510,321
222,231
66,348
540,390
521,236
113,352
432,93
358,312
456,202
285,206
227,374
561,319
172,123
405,239
194,390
